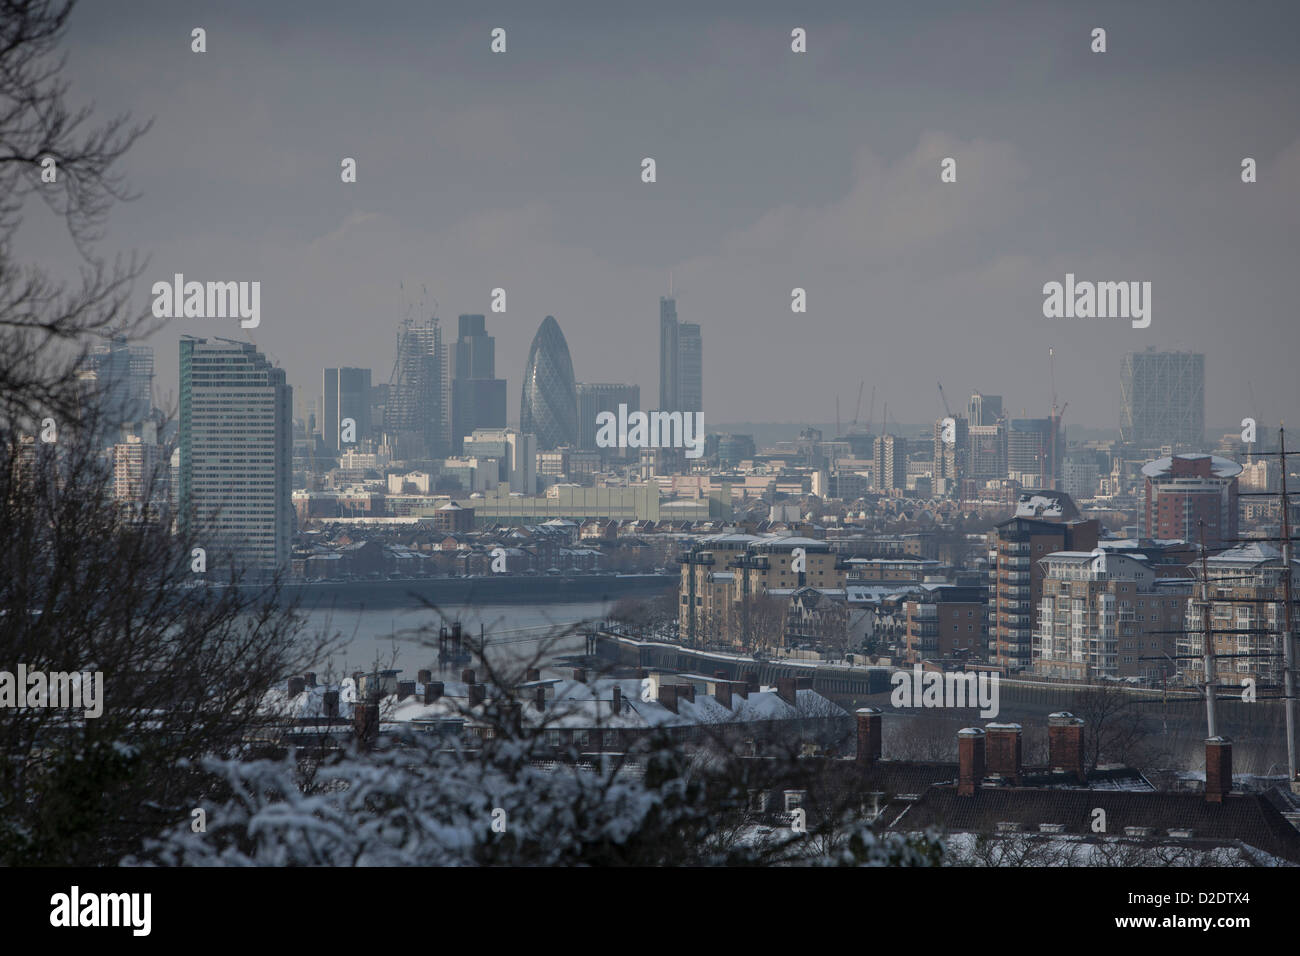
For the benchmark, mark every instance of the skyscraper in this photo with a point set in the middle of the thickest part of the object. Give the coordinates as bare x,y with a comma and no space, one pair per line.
681,361
890,456
1163,396
548,406
123,380
984,409
1034,454
478,397
595,398
418,413
346,394
236,448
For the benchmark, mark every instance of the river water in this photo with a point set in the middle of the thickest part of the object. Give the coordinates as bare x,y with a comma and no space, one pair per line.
390,637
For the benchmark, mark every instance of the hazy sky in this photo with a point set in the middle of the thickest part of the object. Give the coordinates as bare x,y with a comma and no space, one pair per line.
775,170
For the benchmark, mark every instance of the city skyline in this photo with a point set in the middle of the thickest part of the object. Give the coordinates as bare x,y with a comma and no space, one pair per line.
893,265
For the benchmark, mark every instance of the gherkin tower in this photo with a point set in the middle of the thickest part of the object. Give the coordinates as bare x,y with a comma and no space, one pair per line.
549,405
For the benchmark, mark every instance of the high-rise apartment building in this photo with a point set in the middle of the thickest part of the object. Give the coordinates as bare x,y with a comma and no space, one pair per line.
236,446
1247,615
345,394
1044,522
890,463
1104,614
478,397
1163,399
951,452
681,361
515,453
1184,490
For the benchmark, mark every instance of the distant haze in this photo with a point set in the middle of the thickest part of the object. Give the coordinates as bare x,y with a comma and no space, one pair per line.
775,170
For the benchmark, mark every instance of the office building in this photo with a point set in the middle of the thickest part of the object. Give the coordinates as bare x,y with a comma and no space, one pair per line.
478,397
236,445
594,398
984,409
681,361
548,405
417,417
1035,449
1163,399
345,394
121,379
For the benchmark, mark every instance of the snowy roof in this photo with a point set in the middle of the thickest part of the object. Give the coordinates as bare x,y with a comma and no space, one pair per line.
1222,467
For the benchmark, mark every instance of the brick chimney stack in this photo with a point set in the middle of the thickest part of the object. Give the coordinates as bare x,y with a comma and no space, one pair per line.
580,675
668,696
365,722
686,691
1218,769
970,757
540,700
424,676
405,689
296,686
869,734
331,703
616,700
477,694
310,678
533,674
1003,743
467,675
751,681
1065,744
432,691
785,689
722,693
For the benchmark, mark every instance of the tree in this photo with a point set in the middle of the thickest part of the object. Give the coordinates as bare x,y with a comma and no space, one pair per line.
90,584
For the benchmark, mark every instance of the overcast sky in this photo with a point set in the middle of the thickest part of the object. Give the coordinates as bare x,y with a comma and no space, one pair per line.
775,170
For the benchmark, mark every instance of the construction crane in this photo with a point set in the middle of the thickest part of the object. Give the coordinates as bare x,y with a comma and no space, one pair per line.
1055,420
944,398
871,411
857,410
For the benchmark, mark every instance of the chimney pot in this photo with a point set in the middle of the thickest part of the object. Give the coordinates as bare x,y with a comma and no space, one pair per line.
970,757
